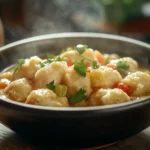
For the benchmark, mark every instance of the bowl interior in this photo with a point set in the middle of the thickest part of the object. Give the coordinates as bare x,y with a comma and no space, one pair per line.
55,43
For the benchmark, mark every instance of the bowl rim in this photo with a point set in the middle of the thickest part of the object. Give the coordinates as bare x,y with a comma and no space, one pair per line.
74,109
74,35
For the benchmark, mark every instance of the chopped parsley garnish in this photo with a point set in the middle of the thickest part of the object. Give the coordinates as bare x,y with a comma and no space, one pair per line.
20,63
50,60
94,64
80,67
58,59
81,48
122,66
106,61
51,85
50,56
78,96
42,64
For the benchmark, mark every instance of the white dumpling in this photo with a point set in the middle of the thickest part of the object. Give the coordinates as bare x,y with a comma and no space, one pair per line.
28,69
75,82
140,82
104,77
52,72
110,57
107,97
72,56
46,97
18,90
89,56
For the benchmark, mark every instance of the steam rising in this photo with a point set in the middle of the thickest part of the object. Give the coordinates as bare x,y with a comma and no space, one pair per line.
45,17
53,16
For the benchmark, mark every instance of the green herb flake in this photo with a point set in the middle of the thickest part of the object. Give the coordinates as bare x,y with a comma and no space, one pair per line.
106,61
20,63
80,67
78,96
42,64
81,48
122,66
50,56
51,85
58,59
50,60
94,64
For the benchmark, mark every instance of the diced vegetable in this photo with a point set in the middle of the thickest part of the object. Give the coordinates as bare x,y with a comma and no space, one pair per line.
100,58
89,69
113,66
126,88
70,63
4,83
60,90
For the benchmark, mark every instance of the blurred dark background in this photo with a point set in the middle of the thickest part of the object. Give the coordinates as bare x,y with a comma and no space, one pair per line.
26,18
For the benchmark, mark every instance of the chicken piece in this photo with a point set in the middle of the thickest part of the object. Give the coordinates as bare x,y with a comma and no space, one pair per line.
107,97
75,82
104,77
71,56
18,90
52,72
46,97
89,56
6,75
28,69
110,57
139,82
133,65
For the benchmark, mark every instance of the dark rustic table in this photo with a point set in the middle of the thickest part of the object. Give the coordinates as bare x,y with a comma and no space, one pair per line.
9,140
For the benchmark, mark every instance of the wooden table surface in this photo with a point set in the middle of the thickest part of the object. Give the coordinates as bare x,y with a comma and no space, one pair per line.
9,140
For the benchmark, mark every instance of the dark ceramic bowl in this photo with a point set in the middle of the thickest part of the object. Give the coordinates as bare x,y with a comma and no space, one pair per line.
76,127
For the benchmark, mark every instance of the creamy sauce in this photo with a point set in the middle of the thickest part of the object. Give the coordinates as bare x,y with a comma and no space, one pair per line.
78,77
